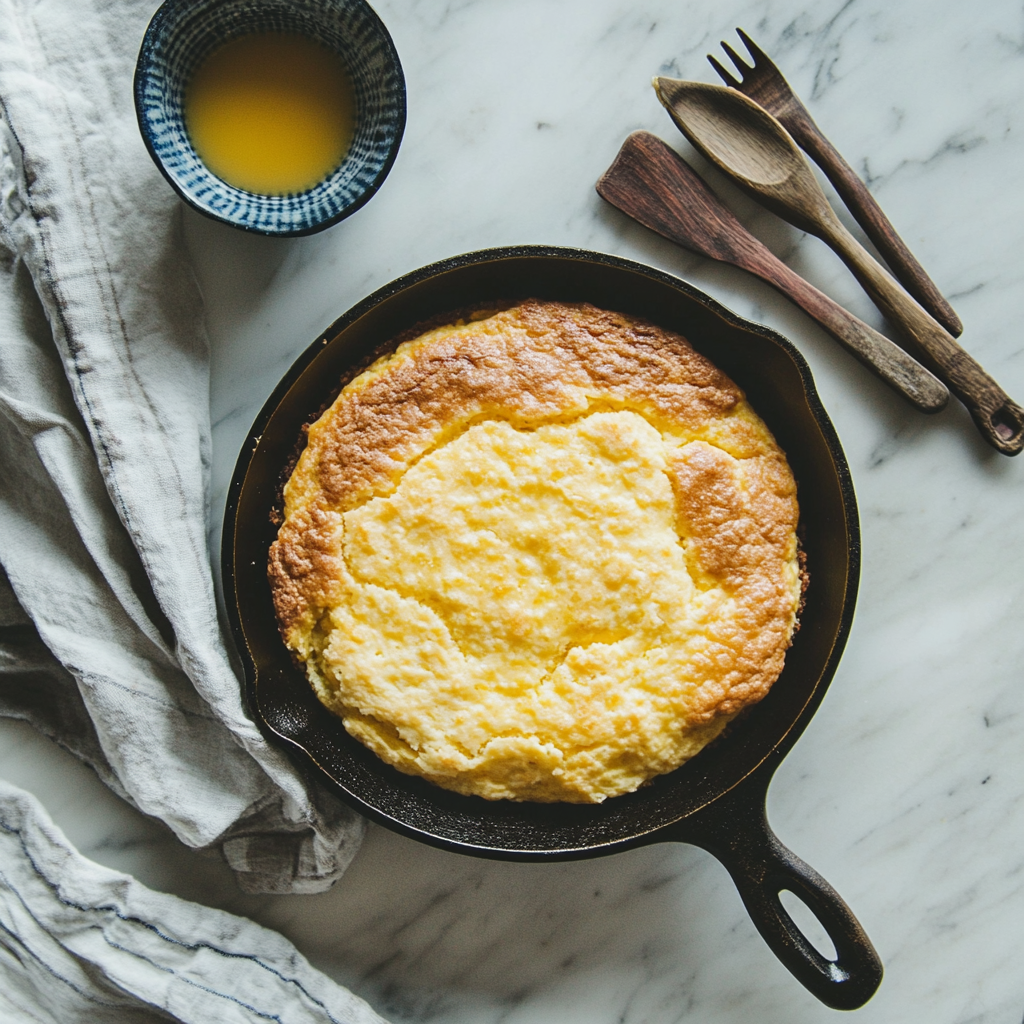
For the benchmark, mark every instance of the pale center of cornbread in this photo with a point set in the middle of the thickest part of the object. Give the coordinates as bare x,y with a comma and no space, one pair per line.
520,597
528,545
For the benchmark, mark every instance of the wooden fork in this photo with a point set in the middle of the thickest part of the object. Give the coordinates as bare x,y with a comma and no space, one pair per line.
763,83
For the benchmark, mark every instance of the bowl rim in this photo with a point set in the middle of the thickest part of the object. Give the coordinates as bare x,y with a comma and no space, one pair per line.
779,744
138,92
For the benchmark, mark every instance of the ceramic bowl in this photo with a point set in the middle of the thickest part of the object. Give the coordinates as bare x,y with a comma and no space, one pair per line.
183,33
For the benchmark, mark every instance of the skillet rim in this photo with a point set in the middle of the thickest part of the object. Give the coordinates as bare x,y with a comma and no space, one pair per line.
666,830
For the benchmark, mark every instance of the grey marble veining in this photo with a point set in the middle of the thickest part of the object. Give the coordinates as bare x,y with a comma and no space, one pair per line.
907,789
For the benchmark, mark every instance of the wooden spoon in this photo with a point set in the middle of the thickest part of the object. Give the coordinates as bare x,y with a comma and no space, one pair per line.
747,143
657,187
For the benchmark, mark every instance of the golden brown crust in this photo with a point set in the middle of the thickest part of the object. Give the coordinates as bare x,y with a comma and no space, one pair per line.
543,363
741,534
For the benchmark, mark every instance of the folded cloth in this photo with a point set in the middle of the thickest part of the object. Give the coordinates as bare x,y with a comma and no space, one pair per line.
109,634
81,944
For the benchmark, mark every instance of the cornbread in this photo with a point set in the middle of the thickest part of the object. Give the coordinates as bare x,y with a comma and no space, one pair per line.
545,553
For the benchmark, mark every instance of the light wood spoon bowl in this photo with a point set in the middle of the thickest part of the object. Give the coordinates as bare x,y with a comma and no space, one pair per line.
750,145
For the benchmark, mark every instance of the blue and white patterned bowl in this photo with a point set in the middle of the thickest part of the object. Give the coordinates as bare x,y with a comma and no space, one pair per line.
182,34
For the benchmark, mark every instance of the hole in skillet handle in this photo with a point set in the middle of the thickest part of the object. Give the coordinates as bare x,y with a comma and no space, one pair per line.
803,917
735,829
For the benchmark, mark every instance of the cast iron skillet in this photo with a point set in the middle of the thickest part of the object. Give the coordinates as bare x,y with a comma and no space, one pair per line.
717,800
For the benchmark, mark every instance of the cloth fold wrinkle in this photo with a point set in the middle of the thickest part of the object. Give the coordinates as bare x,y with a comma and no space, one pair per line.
81,943
58,437
36,688
104,424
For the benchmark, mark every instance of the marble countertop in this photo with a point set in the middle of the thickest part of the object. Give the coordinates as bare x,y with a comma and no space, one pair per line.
907,789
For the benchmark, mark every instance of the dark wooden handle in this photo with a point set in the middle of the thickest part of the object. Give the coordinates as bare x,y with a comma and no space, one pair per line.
869,215
897,368
999,419
735,830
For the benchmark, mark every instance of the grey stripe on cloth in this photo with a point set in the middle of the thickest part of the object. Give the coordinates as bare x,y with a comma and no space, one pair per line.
81,944
113,646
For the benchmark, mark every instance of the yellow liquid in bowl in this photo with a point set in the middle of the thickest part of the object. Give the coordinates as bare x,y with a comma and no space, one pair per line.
271,112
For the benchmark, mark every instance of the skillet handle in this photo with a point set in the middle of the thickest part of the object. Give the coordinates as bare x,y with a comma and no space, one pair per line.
735,829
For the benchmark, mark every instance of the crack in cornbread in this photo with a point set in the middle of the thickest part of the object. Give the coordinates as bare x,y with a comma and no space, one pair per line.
546,554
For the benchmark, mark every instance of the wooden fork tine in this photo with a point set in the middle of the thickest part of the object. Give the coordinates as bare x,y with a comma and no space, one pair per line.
723,74
741,66
755,51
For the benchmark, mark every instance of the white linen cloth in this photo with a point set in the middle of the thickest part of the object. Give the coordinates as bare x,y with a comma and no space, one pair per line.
104,458
109,633
87,945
